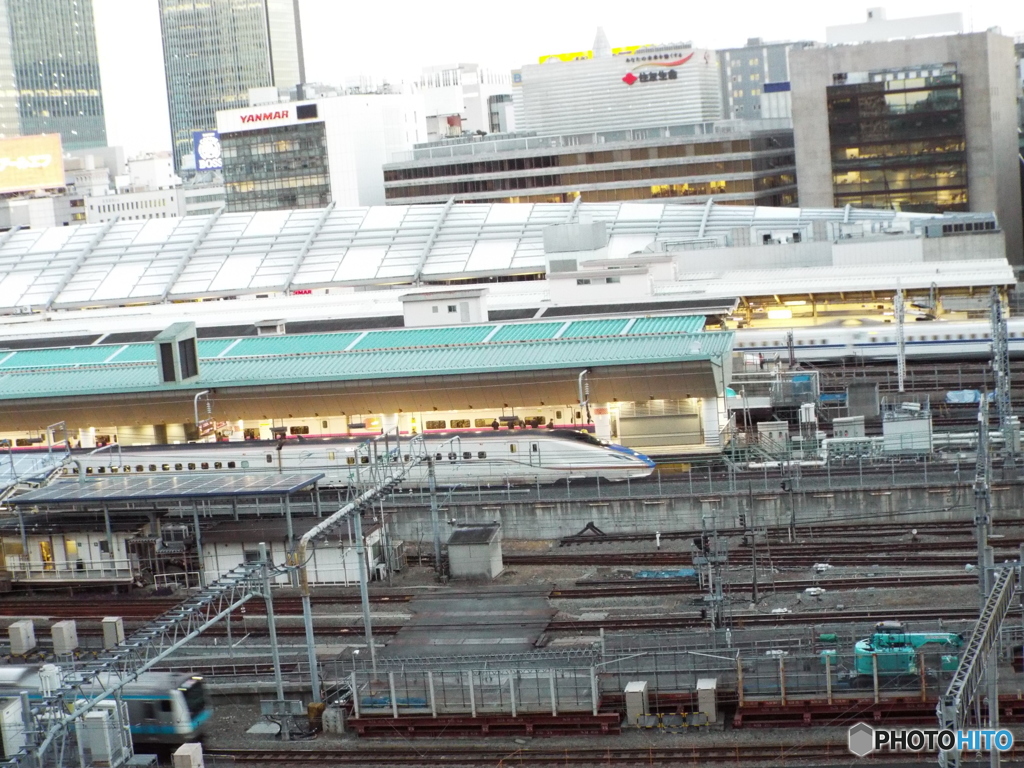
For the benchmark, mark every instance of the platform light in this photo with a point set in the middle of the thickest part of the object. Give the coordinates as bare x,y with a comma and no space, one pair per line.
780,314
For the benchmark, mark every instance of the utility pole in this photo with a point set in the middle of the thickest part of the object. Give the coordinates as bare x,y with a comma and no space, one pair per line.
899,308
982,500
434,514
1001,372
753,541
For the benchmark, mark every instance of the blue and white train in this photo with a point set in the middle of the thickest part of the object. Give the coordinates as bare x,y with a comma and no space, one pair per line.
163,708
483,457
935,339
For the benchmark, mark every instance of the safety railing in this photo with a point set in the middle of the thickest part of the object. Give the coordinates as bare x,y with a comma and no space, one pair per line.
80,570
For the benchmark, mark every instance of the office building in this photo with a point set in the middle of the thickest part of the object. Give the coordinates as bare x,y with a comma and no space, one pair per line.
755,79
309,154
49,72
216,50
923,124
456,97
617,89
732,162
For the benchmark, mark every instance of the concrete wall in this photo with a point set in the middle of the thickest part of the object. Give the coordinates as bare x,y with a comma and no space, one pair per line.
986,62
552,520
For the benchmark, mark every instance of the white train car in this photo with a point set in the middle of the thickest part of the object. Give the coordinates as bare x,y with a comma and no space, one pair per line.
521,456
924,340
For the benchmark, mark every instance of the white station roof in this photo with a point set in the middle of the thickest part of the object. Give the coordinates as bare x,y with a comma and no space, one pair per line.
231,254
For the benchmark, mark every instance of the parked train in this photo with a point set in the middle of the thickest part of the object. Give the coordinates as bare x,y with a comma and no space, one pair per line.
933,339
469,458
163,708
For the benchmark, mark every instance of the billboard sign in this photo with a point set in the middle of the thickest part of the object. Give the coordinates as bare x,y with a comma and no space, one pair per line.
28,163
206,150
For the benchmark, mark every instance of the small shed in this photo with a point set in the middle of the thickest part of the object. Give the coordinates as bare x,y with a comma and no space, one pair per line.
474,551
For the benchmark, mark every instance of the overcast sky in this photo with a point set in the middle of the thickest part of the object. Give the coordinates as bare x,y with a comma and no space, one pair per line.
395,38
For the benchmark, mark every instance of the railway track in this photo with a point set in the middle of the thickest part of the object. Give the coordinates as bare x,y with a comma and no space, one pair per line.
774,754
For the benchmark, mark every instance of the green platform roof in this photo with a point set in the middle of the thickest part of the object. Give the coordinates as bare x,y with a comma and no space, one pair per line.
274,360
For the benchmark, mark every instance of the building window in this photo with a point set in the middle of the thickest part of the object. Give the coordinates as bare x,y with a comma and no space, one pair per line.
452,309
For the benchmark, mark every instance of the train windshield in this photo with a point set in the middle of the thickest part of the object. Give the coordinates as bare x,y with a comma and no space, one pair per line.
195,696
582,437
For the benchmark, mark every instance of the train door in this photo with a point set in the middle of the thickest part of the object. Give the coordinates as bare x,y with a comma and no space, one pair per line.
46,555
534,448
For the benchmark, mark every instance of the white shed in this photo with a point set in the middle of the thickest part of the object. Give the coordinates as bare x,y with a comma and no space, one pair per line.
474,551
335,561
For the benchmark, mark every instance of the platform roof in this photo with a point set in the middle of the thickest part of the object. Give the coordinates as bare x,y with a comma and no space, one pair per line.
390,354
127,488
232,254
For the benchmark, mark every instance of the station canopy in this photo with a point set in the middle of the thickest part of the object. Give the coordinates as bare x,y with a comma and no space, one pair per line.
238,254
164,488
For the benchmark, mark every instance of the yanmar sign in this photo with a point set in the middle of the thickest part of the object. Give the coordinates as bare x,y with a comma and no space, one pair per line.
263,117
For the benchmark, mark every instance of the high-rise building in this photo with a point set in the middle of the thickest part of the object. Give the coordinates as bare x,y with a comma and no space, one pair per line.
755,79
923,124
610,89
49,72
216,50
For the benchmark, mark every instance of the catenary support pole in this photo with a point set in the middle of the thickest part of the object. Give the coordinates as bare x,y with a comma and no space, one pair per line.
268,598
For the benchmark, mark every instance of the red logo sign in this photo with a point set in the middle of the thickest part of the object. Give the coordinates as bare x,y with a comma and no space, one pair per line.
259,117
645,77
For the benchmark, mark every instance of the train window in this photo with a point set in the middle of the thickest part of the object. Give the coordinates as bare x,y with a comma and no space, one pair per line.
217,465
460,424
152,467
959,335
165,705
436,424
102,470
302,430
113,470
191,465
88,470
948,337
482,455
270,458
149,711
533,447
126,468
452,456
165,467
139,468
364,459
437,457
823,341
350,460
467,454
204,465
974,335
323,424
231,465
177,467
330,455
512,448
558,414
935,337
482,422
407,458
764,343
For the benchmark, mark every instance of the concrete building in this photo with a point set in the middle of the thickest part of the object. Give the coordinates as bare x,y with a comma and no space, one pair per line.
215,51
463,91
733,162
502,111
310,154
617,89
474,552
753,73
49,72
925,124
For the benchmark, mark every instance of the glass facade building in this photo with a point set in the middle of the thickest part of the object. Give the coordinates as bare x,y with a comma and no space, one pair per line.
216,50
276,168
50,60
898,140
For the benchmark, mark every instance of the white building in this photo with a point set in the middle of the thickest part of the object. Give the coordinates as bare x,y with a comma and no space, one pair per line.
309,154
146,204
463,91
154,170
617,88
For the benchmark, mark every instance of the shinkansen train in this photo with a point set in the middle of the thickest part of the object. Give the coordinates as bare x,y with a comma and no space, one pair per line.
163,708
923,340
469,458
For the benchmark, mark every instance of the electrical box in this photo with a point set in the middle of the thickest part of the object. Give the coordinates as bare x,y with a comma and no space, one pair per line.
638,704
98,737
12,726
65,637
189,756
23,637
113,631
848,426
707,697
